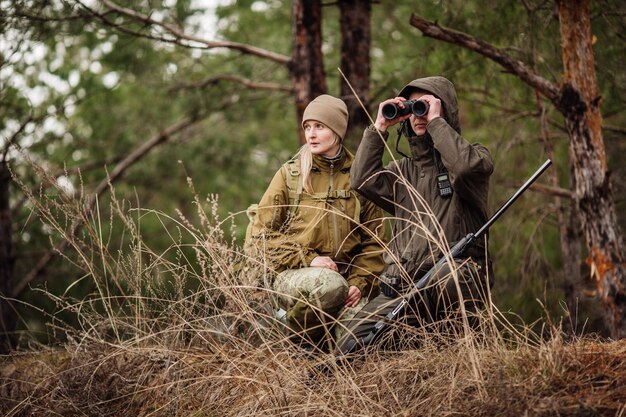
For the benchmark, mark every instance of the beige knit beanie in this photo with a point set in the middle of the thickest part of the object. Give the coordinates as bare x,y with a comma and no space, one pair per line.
329,110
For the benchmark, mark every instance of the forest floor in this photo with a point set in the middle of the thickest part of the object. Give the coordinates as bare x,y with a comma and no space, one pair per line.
585,377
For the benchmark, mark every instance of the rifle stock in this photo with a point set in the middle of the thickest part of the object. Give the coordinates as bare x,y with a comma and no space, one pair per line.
456,251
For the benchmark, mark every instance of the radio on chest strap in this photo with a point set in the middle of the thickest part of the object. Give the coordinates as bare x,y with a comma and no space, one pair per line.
444,186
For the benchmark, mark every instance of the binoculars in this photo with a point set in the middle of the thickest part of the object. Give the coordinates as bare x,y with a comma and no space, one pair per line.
417,107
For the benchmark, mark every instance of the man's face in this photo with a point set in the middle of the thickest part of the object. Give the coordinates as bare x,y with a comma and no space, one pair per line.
418,124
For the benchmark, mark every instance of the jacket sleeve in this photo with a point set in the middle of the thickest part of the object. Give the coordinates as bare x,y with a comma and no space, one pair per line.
368,176
469,165
368,264
271,230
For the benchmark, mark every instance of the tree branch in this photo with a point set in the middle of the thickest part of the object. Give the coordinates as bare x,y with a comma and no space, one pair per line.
89,166
117,173
614,129
550,190
12,141
183,39
553,190
516,67
244,81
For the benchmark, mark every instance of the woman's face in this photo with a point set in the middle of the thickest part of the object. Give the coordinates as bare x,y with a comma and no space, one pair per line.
320,138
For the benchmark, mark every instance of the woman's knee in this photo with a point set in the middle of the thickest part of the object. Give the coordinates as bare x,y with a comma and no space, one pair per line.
321,287
330,291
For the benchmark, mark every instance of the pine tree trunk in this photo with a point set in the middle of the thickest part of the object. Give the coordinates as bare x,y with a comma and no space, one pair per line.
355,62
8,317
579,102
307,63
570,237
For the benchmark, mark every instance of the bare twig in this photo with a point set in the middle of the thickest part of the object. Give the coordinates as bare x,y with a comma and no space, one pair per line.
516,67
234,78
179,37
117,173
89,166
550,190
614,129
12,141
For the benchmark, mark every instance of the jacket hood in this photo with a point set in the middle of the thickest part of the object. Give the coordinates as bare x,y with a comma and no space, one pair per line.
443,89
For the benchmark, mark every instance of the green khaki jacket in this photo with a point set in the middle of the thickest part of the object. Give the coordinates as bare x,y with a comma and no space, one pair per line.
334,221
408,189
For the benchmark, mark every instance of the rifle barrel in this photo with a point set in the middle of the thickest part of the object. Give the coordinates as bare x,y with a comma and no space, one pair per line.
382,324
512,199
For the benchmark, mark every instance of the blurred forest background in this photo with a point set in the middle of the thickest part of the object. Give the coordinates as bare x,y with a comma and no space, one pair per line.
181,105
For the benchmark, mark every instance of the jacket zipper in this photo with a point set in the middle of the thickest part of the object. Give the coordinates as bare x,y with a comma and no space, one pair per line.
335,227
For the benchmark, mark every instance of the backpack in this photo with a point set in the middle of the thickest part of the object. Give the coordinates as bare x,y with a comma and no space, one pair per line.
295,189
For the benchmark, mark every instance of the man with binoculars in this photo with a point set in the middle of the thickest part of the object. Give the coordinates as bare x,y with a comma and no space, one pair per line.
439,191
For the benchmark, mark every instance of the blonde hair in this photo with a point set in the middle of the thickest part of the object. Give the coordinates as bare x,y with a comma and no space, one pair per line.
306,163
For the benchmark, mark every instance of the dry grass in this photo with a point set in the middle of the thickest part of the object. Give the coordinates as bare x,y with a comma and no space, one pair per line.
148,344
585,378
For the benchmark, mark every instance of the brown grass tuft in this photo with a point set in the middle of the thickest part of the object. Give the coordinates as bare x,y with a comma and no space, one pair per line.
582,378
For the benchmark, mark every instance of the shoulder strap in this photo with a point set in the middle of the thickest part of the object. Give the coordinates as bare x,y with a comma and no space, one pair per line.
357,210
294,183
295,187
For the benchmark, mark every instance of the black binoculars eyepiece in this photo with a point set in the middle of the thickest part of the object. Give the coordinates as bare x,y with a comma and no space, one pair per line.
417,107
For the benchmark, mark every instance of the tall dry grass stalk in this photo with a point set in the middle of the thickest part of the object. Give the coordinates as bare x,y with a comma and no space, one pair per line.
185,330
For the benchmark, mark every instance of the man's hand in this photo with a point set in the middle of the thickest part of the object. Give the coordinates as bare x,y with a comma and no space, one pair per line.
353,298
434,106
383,124
324,262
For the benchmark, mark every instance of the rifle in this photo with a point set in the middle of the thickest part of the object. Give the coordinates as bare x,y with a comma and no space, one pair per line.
457,250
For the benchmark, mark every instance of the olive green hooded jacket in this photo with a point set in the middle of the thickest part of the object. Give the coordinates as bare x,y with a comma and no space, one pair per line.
333,222
407,188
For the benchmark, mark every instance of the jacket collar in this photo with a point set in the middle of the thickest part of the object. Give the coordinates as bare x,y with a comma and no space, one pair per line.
421,147
344,161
